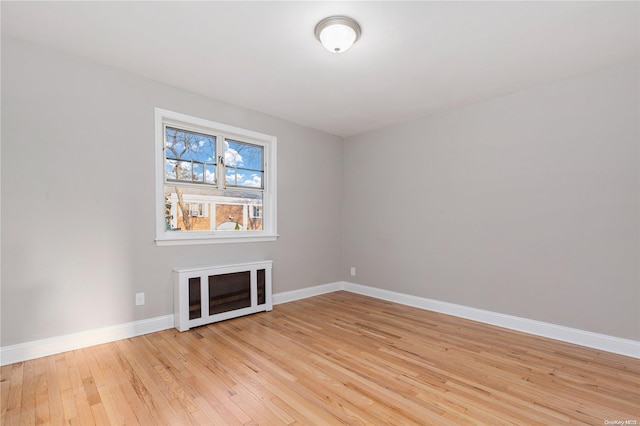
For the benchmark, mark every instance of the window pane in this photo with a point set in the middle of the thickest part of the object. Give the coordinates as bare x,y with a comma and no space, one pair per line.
188,155
198,172
210,173
202,208
244,164
170,169
234,213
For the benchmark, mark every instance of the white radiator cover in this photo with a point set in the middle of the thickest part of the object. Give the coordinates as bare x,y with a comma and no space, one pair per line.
195,304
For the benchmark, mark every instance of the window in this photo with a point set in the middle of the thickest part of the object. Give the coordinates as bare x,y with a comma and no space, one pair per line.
256,212
214,182
196,209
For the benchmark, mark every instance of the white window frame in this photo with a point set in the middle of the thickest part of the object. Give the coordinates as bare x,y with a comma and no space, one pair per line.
221,131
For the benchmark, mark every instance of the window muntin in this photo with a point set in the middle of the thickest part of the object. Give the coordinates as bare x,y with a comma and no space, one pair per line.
216,182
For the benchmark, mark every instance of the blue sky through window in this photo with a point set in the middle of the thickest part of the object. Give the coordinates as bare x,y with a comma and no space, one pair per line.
191,157
244,164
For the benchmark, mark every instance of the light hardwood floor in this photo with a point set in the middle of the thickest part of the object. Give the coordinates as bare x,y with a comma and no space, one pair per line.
338,358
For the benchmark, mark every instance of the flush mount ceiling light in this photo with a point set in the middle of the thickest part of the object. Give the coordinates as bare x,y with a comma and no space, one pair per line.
337,33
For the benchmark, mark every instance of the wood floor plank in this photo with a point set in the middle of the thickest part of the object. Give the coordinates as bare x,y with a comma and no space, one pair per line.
28,398
83,408
111,383
56,413
42,416
12,379
339,358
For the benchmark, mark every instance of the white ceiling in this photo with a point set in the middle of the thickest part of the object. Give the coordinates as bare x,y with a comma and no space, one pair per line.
413,59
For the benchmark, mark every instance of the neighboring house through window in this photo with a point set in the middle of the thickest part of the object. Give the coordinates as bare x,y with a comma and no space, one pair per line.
214,182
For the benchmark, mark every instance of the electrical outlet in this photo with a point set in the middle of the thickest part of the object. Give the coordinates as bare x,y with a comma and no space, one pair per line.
139,299
353,271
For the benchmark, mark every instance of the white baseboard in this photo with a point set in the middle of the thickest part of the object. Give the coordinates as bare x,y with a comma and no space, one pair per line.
552,331
55,345
290,296
39,348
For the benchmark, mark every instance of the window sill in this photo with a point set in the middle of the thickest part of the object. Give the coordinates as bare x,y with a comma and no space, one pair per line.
208,239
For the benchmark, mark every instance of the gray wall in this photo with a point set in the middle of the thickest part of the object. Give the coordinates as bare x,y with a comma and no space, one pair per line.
78,197
526,205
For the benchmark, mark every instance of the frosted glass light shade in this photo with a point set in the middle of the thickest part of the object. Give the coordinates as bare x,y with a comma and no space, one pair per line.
337,33
337,38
